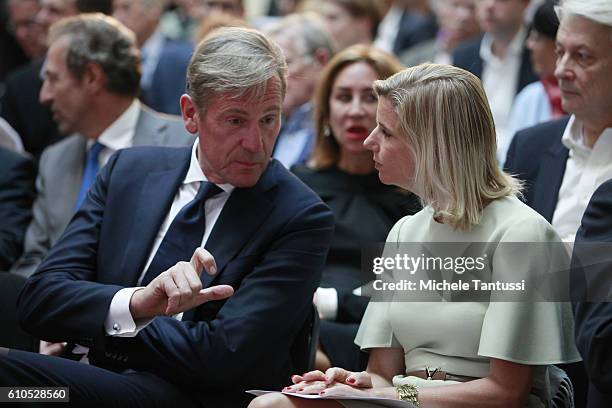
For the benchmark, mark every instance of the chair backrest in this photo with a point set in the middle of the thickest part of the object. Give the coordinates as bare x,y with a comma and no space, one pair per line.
304,347
561,387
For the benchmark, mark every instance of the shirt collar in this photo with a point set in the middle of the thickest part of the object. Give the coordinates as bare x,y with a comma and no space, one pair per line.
514,50
195,173
573,136
120,133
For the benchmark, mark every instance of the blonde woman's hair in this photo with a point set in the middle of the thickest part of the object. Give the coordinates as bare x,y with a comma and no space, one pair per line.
444,115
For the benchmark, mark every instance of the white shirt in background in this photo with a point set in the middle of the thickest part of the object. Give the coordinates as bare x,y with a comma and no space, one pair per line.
500,78
586,169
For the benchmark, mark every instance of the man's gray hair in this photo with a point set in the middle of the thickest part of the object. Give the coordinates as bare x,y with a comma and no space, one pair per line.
306,29
100,39
234,60
599,11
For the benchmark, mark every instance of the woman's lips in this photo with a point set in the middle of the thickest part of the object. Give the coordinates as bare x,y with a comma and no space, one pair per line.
357,133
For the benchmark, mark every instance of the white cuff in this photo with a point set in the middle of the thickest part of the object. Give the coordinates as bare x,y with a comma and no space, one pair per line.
327,303
119,321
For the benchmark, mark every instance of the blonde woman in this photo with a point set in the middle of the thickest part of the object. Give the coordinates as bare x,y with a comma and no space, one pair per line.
435,136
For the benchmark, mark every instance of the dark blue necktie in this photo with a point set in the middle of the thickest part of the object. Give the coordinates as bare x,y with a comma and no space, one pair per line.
184,235
92,165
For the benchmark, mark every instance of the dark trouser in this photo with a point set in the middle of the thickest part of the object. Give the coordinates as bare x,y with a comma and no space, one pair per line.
89,385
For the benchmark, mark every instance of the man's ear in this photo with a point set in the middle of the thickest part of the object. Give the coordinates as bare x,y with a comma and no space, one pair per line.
94,77
189,112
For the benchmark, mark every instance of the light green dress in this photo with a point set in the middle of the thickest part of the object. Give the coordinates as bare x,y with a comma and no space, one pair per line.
461,337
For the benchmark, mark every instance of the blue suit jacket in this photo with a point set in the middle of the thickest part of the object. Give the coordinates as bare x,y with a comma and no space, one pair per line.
593,321
169,79
270,243
537,156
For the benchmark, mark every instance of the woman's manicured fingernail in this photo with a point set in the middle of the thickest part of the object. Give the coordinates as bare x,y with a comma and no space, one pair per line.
350,380
322,392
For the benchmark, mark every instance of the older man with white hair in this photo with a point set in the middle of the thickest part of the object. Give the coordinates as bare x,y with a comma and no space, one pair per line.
563,162
307,47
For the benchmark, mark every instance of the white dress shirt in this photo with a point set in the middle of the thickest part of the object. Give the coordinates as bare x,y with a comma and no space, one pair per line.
500,78
119,135
586,169
388,28
119,321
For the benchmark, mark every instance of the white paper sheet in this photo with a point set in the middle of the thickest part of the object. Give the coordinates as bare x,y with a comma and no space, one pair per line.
382,402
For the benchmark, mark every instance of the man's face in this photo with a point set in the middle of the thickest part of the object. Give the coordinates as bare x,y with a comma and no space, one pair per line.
302,75
500,17
52,11
63,92
28,32
584,67
139,17
236,135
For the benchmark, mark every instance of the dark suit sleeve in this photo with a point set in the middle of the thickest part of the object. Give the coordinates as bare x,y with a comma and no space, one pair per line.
350,307
593,321
16,195
62,300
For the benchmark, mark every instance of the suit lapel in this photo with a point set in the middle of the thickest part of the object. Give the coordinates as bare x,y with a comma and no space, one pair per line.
550,177
71,175
153,204
241,218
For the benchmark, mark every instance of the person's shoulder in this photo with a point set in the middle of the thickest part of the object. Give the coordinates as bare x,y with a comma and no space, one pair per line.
512,220
290,186
540,137
410,226
309,175
58,149
545,131
164,153
25,74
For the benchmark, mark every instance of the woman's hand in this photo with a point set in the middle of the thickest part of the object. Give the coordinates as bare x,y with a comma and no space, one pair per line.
335,380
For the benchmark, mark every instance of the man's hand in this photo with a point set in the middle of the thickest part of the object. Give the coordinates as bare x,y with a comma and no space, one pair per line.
51,349
178,289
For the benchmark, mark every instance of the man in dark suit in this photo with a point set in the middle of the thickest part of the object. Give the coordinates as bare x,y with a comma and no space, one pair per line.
500,59
17,192
124,279
593,312
95,101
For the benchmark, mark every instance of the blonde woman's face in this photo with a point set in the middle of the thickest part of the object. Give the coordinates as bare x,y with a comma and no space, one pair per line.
392,156
352,106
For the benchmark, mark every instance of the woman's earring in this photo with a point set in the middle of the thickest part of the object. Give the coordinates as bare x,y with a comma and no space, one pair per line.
326,131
